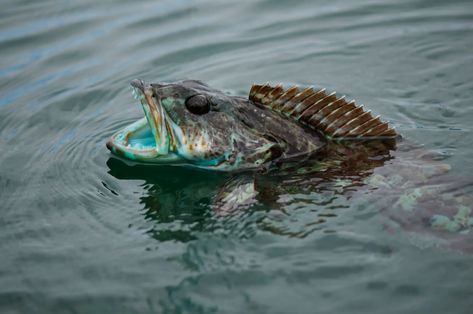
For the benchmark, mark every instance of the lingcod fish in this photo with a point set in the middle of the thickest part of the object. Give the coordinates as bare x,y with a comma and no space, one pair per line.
189,123
316,142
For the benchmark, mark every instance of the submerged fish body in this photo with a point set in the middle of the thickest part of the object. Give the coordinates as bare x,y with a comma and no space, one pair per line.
189,123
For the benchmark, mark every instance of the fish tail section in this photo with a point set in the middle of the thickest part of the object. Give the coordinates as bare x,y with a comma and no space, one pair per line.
335,117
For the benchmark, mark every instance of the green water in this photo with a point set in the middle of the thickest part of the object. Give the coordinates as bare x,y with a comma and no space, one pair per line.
82,232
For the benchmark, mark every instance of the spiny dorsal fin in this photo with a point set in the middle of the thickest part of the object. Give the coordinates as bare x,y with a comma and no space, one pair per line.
334,116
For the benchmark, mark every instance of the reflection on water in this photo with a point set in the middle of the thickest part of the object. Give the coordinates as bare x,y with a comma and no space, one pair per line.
172,194
83,232
413,190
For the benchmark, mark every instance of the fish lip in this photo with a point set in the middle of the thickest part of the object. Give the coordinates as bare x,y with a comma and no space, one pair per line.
109,144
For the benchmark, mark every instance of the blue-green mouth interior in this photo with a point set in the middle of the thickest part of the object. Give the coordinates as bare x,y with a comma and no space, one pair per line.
142,138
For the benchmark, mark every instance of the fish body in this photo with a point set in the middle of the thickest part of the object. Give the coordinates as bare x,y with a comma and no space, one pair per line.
319,143
190,123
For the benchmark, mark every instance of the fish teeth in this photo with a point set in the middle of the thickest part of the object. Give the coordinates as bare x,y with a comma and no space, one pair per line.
135,94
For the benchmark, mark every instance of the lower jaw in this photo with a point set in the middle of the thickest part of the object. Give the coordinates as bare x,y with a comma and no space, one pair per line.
172,158
136,142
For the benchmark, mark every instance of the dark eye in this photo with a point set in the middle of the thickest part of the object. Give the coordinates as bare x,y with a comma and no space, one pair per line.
198,104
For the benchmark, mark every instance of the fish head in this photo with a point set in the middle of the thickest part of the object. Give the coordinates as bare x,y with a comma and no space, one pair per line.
187,122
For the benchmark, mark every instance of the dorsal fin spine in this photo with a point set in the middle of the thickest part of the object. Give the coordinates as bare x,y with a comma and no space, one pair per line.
315,104
297,99
326,118
374,131
288,95
347,113
344,109
318,116
361,126
313,110
299,108
342,132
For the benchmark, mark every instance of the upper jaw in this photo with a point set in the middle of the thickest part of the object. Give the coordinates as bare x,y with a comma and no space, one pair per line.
139,84
155,114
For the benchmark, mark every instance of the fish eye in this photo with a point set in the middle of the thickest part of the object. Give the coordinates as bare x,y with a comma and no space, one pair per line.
198,104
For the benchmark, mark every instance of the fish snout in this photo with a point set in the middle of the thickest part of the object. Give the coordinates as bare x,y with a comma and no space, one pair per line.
137,83
145,88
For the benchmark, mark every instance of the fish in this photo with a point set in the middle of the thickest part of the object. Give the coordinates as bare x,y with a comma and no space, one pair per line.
315,141
191,124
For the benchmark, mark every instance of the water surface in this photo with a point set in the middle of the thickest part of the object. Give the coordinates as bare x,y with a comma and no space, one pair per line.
81,232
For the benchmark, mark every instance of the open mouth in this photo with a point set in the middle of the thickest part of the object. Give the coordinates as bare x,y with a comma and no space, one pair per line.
150,137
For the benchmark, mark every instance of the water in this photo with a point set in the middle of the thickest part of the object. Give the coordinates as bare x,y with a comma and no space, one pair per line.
81,232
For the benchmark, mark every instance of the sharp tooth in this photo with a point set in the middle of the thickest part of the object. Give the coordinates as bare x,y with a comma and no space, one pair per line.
136,94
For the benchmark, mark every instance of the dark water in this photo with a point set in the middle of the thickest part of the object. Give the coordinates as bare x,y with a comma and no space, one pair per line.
81,232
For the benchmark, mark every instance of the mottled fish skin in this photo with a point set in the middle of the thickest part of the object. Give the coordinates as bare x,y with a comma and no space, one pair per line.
188,122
